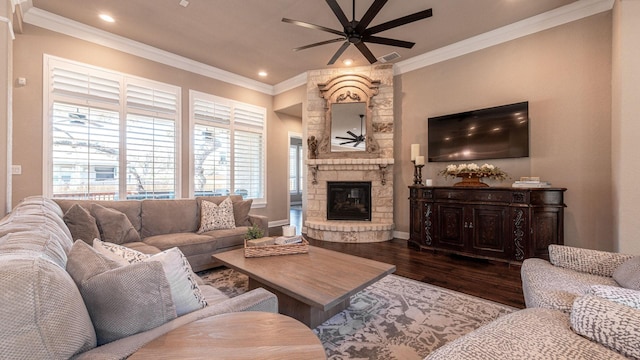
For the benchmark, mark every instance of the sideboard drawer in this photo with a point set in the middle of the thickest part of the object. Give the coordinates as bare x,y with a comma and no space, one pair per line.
478,195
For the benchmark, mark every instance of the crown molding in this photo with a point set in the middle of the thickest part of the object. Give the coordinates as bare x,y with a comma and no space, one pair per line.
560,16
289,84
49,21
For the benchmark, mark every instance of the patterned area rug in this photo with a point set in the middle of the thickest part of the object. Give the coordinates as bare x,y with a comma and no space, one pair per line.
395,318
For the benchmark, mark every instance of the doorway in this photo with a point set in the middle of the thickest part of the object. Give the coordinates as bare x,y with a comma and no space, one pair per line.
296,180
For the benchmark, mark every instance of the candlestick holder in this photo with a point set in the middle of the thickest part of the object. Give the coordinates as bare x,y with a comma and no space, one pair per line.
417,173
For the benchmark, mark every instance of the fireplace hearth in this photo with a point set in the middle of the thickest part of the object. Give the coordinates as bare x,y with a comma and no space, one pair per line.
349,200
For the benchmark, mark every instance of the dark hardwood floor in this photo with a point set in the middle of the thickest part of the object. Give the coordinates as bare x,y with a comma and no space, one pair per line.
491,280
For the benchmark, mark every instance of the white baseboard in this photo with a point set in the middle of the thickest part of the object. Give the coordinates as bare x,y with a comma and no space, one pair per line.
401,235
277,223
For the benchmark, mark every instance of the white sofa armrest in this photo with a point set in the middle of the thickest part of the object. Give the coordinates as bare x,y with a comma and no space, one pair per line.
589,261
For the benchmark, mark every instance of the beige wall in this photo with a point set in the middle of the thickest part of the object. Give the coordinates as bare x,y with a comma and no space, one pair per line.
565,74
626,125
28,57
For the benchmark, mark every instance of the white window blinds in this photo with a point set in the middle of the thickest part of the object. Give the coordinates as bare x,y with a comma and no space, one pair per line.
112,136
229,147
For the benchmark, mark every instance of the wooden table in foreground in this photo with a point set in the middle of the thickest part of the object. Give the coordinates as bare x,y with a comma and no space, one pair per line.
310,287
246,335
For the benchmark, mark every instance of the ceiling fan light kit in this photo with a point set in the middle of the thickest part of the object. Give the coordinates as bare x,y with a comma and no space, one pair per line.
356,32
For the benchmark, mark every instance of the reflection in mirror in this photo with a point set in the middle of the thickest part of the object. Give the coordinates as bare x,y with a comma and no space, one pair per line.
348,126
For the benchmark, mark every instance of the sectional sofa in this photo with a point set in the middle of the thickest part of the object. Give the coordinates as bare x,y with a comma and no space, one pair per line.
162,224
55,290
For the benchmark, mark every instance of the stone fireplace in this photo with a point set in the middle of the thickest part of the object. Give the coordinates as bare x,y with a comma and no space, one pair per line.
329,169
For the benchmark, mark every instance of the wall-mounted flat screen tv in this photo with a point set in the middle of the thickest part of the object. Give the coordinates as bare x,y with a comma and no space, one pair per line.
492,133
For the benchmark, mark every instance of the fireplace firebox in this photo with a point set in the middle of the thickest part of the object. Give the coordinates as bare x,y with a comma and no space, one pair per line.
349,200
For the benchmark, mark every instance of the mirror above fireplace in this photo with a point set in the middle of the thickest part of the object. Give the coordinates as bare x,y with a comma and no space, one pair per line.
348,129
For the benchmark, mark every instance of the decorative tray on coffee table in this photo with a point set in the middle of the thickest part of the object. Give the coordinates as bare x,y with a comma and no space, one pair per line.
267,247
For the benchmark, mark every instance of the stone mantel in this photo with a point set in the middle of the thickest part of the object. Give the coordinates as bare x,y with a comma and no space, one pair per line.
378,161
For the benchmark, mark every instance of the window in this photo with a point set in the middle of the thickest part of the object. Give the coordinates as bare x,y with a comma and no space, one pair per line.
228,147
103,122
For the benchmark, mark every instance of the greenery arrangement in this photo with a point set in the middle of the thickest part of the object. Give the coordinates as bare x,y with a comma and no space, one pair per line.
473,170
254,232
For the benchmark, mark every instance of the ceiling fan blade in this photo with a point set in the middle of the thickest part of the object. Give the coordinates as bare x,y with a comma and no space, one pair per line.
366,52
387,41
345,138
399,22
313,26
333,4
352,134
318,44
335,56
347,142
371,13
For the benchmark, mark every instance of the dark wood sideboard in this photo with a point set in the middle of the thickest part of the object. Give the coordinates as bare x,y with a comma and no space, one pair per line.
509,224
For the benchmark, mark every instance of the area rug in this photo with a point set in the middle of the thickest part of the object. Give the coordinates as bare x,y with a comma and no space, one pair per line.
395,318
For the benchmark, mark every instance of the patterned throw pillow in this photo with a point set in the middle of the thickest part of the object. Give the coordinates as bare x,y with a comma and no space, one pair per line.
216,217
185,291
613,325
628,274
121,254
628,297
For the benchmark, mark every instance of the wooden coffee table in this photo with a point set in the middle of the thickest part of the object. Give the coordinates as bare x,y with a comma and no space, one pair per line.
310,287
241,335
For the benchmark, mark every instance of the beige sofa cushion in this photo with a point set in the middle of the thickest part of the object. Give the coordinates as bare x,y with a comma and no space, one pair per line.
122,300
81,224
43,316
189,243
131,208
114,225
161,217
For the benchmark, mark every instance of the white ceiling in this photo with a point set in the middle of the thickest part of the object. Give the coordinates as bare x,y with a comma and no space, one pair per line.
245,36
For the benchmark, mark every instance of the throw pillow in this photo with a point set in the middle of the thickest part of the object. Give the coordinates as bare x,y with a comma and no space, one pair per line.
241,212
215,217
628,274
114,226
185,291
121,300
613,325
81,224
628,297
118,253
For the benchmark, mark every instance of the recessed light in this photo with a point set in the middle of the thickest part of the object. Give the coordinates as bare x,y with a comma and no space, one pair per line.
184,3
107,18
262,73
347,62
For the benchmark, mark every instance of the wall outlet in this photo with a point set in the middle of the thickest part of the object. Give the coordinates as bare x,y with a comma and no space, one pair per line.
16,169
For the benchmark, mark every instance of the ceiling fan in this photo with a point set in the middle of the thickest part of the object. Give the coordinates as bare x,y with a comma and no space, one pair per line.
356,32
357,139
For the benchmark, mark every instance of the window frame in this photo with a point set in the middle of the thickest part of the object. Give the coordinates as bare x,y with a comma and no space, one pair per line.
51,62
232,127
